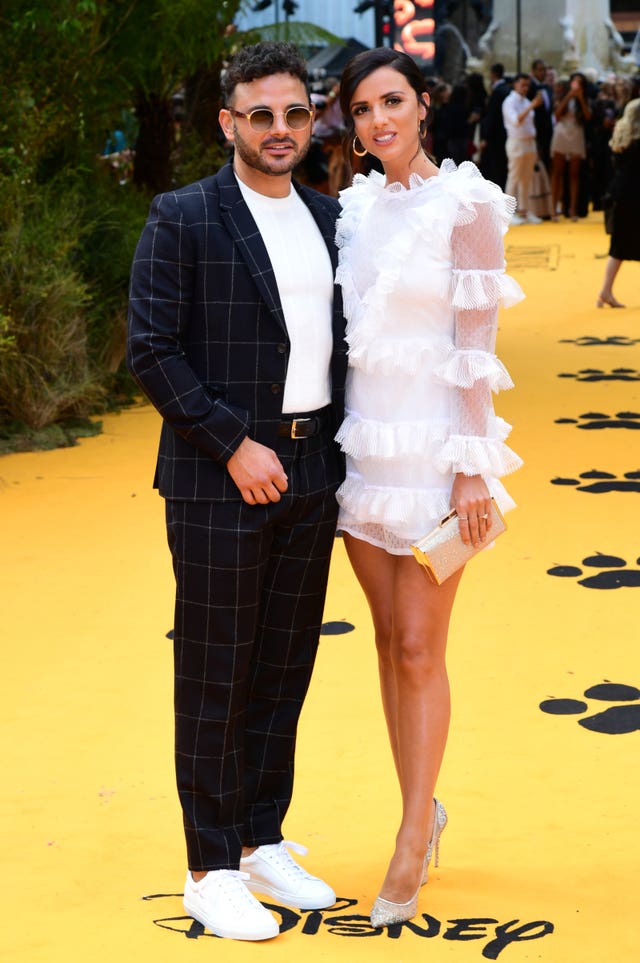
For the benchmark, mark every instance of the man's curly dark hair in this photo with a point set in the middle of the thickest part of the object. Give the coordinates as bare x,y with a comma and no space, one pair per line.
262,60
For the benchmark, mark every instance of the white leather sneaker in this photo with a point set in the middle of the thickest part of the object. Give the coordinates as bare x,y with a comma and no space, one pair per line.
222,903
272,870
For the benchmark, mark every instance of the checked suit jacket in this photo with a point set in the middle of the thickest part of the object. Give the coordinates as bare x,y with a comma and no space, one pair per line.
207,340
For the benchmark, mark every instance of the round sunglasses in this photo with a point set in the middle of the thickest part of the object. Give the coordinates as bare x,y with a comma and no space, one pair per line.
261,119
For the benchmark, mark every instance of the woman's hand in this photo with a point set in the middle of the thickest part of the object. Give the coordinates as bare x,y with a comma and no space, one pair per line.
471,499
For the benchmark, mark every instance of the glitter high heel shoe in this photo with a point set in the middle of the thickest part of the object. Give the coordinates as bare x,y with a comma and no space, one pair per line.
384,912
439,823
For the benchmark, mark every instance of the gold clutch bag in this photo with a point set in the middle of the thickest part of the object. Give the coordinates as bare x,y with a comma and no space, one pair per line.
442,552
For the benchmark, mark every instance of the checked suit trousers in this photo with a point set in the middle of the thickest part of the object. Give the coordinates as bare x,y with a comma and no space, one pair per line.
250,589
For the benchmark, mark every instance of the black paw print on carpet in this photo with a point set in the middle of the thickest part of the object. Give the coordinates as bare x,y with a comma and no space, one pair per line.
597,419
598,482
616,720
590,341
597,374
336,628
612,575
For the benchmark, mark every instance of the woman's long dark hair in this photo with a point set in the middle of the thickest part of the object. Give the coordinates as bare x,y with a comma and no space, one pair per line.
364,64
578,106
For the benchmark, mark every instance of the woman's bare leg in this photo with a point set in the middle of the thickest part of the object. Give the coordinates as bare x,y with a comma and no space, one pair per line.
610,273
411,618
557,183
374,569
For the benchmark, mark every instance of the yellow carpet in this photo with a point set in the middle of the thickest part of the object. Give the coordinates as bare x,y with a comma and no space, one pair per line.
540,858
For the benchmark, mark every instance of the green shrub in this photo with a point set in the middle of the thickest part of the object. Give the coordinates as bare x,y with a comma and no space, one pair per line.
44,369
114,215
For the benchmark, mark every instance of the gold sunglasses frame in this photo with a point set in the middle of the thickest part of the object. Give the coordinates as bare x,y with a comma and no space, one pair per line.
274,114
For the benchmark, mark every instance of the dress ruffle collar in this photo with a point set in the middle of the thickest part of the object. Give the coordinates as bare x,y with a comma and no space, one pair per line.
376,183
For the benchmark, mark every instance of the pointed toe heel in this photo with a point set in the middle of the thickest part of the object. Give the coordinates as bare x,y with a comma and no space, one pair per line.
384,912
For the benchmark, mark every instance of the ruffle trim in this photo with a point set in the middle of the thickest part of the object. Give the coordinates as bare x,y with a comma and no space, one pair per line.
457,192
390,506
475,289
472,455
465,183
391,355
465,366
406,513
373,439
373,305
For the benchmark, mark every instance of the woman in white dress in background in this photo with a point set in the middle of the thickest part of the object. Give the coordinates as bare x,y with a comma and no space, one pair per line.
422,275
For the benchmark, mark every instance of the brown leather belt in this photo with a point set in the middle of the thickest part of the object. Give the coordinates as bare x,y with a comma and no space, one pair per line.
300,427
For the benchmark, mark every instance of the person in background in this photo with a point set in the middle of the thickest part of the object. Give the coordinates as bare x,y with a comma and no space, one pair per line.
603,122
329,131
454,127
422,275
568,144
622,93
493,136
625,200
236,334
543,113
477,107
522,153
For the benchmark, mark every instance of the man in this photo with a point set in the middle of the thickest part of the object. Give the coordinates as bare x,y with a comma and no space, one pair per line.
237,337
522,154
542,114
493,158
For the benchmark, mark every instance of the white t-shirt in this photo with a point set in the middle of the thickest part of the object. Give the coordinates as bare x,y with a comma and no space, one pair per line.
304,277
512,106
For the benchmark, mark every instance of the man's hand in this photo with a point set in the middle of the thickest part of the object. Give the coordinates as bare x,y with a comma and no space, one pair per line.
257,472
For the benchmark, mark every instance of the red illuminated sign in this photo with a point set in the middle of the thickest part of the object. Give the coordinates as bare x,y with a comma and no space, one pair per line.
415,28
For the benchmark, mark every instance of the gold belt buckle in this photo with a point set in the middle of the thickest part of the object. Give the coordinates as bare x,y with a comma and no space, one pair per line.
294,426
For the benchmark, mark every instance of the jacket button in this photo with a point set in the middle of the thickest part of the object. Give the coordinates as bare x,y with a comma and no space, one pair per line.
276,389
281,348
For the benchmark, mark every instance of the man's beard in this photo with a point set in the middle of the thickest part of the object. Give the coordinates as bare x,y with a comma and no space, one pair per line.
256,160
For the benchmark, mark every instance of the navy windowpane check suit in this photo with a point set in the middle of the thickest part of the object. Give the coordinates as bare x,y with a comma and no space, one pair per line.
209,346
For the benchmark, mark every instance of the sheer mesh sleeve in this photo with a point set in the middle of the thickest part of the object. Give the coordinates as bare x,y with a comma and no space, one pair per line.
479,285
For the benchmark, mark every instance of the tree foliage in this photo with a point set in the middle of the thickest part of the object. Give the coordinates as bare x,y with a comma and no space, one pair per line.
73,65
73,71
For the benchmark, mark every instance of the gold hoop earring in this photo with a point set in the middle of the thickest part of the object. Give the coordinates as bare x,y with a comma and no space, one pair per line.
356,151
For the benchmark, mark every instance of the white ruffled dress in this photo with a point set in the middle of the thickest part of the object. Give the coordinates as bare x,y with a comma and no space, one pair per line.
422,273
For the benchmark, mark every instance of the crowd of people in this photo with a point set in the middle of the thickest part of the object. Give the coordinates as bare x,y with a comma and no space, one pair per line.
546,140
565,170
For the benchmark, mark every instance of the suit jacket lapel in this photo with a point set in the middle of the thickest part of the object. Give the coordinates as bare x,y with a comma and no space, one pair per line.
243,229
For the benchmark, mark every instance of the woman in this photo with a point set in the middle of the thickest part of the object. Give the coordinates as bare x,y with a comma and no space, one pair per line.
422,273
568,143
602,123
625,198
